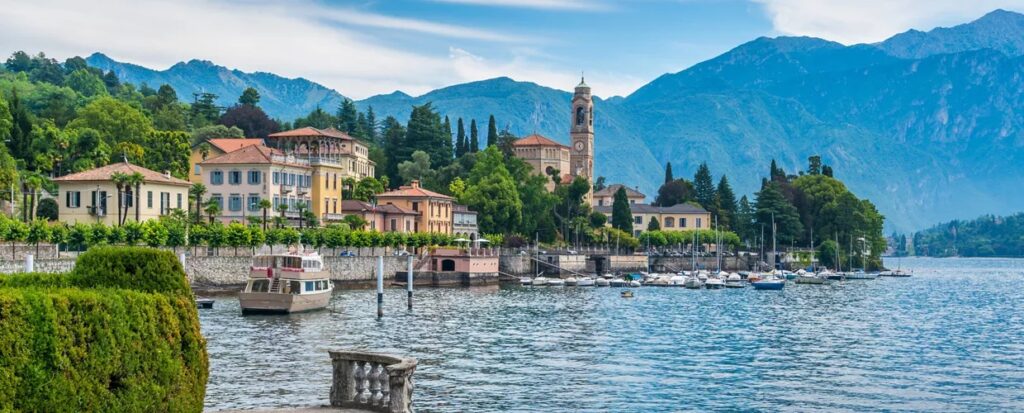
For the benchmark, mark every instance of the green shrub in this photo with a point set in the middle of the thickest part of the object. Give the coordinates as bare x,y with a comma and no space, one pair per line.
136,268
120,334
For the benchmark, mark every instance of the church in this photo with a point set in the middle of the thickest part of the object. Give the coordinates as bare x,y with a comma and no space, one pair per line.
552,159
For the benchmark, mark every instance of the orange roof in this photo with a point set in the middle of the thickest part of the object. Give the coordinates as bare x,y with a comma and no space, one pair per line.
412,190
233,144
536,140
310,131
253,154
103,173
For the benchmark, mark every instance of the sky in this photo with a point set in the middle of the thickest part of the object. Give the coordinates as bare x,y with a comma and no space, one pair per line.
368,47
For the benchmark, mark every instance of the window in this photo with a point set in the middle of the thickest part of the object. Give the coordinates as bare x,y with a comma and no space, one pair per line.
149,199
394,224
277,201
216,178
254,177
638,219
217,199
179,201
254,202
277,178
415,206
235,177
259,286
235,202
291,180
600,202
335,181
295,287
73,199
632,202
310,286
670,222
682,222
197,170
406,226
698,222
165,199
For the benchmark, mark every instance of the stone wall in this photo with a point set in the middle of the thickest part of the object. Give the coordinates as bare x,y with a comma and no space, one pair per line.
515,265
674,264
43,265
347,271
626,263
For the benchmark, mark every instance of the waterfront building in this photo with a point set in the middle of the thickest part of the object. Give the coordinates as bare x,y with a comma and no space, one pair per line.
383,218
334,157
680,217
435,210
547,157
91,196
238,180
464,222
606,196
213,148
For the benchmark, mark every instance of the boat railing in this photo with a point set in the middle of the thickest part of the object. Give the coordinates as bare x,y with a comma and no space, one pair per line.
372,381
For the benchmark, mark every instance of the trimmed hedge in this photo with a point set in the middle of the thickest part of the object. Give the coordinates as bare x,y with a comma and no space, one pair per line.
120,333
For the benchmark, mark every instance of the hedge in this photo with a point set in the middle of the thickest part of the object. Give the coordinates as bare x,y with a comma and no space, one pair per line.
119,334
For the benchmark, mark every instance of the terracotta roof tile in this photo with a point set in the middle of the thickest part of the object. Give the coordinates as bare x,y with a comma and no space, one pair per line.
413,190
610,190
103,173
253,154
233,144
651,209
310,131
537,140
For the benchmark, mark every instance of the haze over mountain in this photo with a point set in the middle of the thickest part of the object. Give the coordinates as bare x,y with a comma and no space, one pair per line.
925,124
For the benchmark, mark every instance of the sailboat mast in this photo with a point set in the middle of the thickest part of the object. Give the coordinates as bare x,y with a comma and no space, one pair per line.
775,252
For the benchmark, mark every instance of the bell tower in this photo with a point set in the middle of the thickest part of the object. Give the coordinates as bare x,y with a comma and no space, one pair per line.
581,134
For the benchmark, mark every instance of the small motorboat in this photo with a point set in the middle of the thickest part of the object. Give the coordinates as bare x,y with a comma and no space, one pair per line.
692,282
714,283
811,278
894,273
635,283
861,275
539,282
571,281
626,294
204,303
677,280
585,282
769,284
556,282
525,281
618,282
734,281
602,282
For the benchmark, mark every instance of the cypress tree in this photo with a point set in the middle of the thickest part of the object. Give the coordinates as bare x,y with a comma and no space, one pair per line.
474,137
446,142
371,124
460,140
492,132
622,217
654,225
704,188
726,204
668,172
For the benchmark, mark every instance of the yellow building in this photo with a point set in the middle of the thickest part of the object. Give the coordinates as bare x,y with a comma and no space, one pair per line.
435,210
213,148
679,217
91,196
606,196
333,156
546,156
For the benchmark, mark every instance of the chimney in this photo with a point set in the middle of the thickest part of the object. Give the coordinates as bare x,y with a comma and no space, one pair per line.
415,183
167,174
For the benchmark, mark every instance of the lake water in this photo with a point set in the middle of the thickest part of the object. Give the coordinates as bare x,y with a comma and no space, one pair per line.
950,338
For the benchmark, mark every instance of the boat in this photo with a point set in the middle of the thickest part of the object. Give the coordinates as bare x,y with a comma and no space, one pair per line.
734,281
769,284
539,282
714,282
602,282
811,278
618,282
635,283
525,281
861,275
626,294
894,273
571,282
677,280
693,282
585,282
204,303
286,283
556,282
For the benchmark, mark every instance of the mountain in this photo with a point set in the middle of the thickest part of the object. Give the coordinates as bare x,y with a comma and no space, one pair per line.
281,97
925,124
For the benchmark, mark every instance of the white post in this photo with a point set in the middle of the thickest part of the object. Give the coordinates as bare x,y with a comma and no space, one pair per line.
380,286
408,281
30,264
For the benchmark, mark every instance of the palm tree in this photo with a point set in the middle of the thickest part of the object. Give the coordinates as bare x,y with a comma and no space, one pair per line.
301,209
212,209
265,205
135,179
120,180
282,209
196,192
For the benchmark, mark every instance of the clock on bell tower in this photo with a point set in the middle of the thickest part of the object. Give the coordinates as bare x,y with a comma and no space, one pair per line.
581,134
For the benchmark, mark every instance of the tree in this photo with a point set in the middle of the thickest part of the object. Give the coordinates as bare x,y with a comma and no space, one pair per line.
250,119
19,142
206,133
673,193
814,165
474,137
668,172
48,209
776,174
347,116
318,118
250,97
154,233
704,188
598,220
136,180
726,201
827,253
237,235
265,205
461,146
120,180
771,204
599,183
213,209
491,192
492,132
196,192
425,132
204,110
743,223
86,83
355,222
394,149
622,217
457,187
654,225
367,189
417,169
38,231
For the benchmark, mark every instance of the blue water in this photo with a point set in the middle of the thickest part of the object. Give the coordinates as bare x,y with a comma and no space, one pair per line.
951,338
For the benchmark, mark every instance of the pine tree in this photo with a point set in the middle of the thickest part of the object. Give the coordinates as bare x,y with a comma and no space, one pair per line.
668,172
771,203
395,149
776,173
705,188
726,204
622,217
460,141
492,132
744,221
425,132
347,116
474,137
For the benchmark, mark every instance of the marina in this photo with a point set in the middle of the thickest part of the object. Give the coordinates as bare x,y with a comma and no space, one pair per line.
490,348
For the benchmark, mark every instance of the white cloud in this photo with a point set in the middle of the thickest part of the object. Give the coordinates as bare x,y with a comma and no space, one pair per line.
868,21
387,22
536,4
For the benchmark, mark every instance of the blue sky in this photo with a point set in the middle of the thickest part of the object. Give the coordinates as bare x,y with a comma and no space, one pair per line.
368,47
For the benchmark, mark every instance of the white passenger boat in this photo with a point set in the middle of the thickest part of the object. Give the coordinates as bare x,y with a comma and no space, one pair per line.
585,282
286,283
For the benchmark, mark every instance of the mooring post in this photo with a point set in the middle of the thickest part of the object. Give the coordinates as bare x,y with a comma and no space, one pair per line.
408,282
30,264
380,286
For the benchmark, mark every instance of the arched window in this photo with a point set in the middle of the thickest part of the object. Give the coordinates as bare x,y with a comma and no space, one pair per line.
580,115
670,222
447,265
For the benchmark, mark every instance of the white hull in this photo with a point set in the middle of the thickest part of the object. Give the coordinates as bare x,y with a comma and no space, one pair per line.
279,303
585,282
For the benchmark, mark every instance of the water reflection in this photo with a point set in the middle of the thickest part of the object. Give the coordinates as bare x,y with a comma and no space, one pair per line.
950,338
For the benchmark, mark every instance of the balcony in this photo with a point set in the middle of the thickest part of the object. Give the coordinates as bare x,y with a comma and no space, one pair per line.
290,159
333,217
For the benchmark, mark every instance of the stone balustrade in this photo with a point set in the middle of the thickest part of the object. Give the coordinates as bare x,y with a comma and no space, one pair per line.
372,381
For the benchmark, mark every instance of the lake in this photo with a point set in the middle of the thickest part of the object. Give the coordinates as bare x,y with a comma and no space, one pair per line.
949,338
